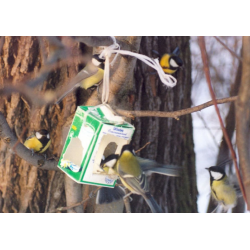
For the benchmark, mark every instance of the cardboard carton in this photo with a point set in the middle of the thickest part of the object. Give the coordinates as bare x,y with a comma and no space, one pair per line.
95,132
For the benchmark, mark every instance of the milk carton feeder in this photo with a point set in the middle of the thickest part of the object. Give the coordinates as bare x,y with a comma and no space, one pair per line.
95,132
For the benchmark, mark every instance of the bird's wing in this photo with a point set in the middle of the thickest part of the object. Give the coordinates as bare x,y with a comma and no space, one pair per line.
108,195
149,167
137,185
86,72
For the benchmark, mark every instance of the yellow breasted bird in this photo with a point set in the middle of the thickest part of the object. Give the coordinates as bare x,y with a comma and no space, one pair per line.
39,142
89,76
222,190
127,166
171,62
108,195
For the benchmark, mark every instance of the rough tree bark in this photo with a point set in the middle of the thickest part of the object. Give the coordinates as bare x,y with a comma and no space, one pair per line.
25,188
171,140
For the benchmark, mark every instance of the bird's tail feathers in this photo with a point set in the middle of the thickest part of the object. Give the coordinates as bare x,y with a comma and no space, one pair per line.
155,208
108,195
66,93
176,51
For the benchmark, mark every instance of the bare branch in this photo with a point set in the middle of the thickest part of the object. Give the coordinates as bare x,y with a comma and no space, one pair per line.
207,74
96,41
10,139
173,114
231,51
142,147
92,195
51,164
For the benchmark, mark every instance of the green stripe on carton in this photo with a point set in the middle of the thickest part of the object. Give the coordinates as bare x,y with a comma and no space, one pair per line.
91,148
90,152
98,184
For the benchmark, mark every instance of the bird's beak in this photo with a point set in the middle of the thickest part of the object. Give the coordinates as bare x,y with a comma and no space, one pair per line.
100,170
207,168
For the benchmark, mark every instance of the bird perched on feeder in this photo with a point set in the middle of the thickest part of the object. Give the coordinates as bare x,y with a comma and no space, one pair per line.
39,142
89,76
131,169
222,190
170,62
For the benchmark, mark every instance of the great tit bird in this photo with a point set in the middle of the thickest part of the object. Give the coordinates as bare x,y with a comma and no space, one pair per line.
171,62
89,76
107,195
127,167
222,191
39,142
147,166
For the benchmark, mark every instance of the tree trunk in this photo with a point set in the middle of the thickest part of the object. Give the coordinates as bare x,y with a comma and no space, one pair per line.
171,140
25,188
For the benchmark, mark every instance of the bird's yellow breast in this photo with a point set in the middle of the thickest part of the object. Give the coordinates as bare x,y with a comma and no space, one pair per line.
164,62
129,164
223,192
36,145
33,143
92,80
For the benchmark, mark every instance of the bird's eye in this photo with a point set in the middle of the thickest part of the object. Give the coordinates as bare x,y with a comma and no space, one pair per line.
173,63
38,135
48,136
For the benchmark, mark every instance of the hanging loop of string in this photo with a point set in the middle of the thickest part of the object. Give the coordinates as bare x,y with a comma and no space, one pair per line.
166,79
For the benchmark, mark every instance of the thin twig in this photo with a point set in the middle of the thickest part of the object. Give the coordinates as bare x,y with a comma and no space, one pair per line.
207,74
76,204
142,147
174,114
231,51
51,165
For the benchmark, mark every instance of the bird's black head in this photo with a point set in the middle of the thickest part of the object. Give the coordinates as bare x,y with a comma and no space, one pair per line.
110,161
216,173
42,133
97,58
175,62
128,147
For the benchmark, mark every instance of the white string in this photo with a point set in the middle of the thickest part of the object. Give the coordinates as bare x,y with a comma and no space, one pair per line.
166,79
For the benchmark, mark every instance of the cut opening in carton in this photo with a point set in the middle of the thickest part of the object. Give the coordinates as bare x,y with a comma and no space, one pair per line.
73,156
109,144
